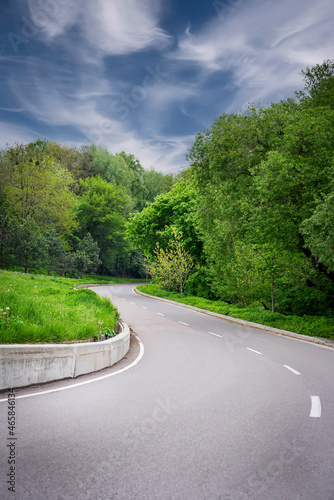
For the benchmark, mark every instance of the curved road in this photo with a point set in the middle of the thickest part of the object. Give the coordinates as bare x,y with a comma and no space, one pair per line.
213,410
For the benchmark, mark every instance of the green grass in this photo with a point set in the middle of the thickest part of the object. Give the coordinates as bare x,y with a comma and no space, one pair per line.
315,326
49,309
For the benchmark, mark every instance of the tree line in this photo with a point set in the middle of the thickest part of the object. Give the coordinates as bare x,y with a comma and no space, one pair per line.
65,209
255,208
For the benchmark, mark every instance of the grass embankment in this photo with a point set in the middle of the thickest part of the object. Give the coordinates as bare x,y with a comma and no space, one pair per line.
315,326
49,309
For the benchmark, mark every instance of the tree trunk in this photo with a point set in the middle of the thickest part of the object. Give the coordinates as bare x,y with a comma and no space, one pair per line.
272,291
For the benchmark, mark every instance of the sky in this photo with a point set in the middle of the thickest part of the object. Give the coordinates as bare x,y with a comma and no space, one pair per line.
145,76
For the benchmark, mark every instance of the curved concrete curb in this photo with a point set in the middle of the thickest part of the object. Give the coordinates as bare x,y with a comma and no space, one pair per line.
257,326
27,364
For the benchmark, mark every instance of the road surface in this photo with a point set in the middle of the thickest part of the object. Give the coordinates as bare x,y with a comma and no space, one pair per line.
212,410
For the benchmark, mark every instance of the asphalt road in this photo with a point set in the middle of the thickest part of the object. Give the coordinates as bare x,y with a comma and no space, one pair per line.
212,410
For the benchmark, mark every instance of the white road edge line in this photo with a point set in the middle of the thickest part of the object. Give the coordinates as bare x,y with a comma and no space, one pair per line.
72,386
216,335
160,314
291,369
253,350
144,307
133,303
231,320
315,407
182,323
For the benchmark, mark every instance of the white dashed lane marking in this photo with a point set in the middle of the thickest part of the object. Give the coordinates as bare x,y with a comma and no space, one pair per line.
215,334
315,407
291,369
253,350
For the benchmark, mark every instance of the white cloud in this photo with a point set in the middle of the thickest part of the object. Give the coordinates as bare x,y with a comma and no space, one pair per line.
114,27
264,44
45,103
10,133
165,154
254,53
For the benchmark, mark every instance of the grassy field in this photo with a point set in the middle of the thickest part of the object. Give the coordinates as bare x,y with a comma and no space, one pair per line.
315,326
49,309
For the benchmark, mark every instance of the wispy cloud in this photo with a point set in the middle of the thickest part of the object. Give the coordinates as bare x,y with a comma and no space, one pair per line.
106,70
263,44
114,27
10,133
83,112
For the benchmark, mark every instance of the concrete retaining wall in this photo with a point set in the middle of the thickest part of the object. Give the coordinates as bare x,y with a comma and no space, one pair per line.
26,364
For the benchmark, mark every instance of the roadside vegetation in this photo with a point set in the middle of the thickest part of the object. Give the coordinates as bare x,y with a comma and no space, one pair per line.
313,326
247,227
254,214
50,309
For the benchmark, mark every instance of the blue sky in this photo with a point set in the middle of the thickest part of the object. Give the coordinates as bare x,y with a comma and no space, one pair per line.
144,76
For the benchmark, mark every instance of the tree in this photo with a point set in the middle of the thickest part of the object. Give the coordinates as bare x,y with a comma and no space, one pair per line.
163,267
36,186
29,248
102,211
319,84
183,261
263,177
112,168
54,250
77,161
318,232
154,224
86,258
173,265
6,234
157,183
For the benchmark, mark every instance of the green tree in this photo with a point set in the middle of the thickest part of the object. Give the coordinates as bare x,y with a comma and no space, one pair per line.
261,177
54,250
318,232
112,168
102,211
156,183
162,268
6,234
29,248
319,84
86,258
173,265
154,224
36,186
77,161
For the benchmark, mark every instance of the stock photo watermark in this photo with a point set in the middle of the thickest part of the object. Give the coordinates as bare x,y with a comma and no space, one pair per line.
42,12
153,423
139,93
11,441
162,411
259,481
122,106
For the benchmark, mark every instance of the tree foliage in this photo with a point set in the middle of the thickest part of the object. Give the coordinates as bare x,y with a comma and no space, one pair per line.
155,223
36,186
263,181
68,193
172,267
